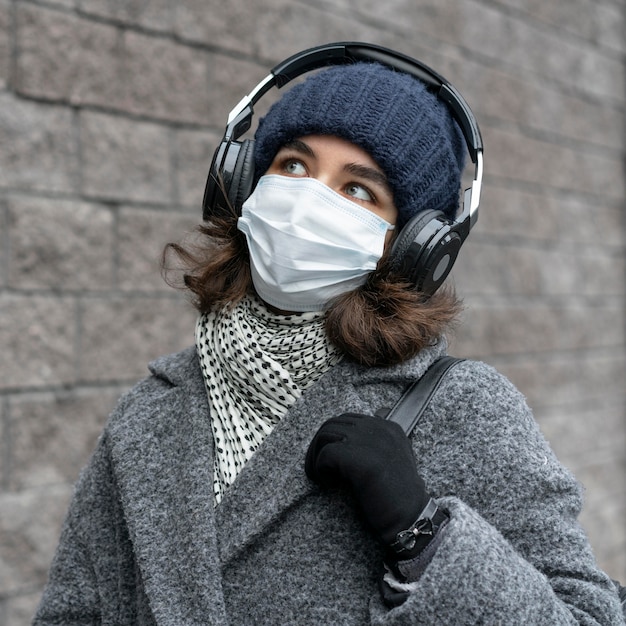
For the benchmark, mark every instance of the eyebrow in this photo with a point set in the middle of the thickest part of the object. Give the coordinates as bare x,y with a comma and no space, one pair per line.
368,173
298,146
356,169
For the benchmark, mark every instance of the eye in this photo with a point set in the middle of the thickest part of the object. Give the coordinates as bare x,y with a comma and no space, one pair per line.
293,167
358,192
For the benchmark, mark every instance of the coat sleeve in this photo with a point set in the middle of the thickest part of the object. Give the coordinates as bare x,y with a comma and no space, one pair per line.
513,551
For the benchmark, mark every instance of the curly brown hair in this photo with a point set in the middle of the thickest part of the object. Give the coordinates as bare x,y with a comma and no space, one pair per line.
384,322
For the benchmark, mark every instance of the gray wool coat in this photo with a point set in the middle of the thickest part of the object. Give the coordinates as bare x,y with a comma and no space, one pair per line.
143,542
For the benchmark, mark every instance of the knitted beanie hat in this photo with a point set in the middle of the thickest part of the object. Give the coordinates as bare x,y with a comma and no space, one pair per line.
406,129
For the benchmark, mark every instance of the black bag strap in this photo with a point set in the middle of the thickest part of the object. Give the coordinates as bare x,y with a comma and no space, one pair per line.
409,408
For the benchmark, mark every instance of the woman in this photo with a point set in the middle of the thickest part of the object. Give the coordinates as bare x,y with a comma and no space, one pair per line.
247,481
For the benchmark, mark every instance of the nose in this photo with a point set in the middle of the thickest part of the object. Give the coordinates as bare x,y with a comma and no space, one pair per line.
323,175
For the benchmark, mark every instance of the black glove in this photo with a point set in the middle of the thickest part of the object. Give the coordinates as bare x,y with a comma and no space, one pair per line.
373,458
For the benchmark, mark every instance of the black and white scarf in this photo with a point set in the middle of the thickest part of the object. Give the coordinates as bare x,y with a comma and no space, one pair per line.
256,364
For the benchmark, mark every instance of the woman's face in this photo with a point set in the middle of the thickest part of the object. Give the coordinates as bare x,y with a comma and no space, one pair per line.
344,167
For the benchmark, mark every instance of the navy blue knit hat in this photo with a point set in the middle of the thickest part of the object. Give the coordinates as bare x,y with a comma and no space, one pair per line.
406,129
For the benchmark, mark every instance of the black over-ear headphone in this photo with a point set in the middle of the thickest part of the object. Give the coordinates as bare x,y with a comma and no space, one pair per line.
426,248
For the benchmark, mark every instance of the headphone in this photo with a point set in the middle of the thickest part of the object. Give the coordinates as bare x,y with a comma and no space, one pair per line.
426,248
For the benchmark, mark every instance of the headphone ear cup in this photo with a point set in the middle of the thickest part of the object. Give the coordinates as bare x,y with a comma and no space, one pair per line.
240,186
408,235
426,249
230,178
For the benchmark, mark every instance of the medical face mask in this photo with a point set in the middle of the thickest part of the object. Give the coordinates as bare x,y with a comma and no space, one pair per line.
308,243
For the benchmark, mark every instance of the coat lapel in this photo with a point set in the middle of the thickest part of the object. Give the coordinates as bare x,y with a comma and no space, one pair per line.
274,479
163,459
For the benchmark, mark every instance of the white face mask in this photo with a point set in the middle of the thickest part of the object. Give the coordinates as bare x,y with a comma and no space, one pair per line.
308,243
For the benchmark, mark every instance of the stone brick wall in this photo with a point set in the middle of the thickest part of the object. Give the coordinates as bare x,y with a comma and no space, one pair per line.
109,113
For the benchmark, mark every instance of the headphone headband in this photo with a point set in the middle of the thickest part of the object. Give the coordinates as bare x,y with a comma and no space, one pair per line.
344,53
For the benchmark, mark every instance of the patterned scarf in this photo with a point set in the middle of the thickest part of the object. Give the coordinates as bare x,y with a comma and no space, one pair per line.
256,364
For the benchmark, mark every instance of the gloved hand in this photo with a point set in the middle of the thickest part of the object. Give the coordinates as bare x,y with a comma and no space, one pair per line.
373,458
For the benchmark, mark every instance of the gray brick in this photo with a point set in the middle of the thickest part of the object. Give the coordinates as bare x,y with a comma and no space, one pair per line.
5,43
39,149
21,609
579,119
519,99
119,337
142,236
228,24
510,328
598,22
507,213
601,481
67,58
583,430
411,25
53,434
157,14
30,523
302,25
560,167
533,271
5,446
124,159
50,240
89,63
39,335
4,242
177,87
609,25
575,381
235,27
478,270
194,153
521,46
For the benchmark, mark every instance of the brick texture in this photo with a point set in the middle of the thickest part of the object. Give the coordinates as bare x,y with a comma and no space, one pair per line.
109,115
